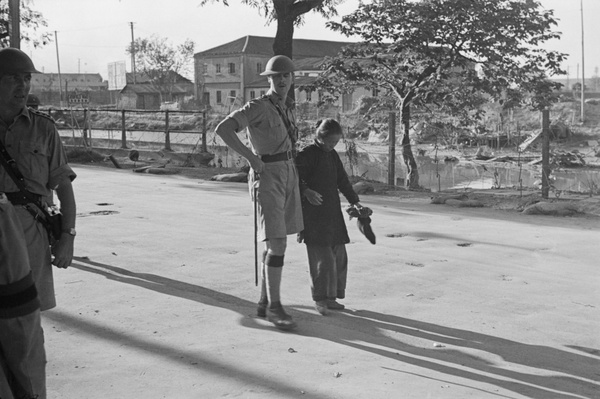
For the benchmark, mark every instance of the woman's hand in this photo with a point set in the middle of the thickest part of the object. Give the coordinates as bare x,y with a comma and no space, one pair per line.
313,197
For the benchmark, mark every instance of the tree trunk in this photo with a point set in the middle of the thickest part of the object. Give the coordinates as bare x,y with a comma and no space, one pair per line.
412,174
283,44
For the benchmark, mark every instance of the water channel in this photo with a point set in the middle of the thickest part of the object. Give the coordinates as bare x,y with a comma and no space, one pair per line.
436,176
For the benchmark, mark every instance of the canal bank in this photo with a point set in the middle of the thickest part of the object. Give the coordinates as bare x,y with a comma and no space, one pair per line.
440,168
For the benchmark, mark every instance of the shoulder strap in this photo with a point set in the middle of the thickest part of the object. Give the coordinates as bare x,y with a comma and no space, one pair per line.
291,129
42,114
15,174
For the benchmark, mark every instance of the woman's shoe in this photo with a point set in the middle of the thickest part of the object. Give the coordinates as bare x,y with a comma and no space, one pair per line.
335,305
321,307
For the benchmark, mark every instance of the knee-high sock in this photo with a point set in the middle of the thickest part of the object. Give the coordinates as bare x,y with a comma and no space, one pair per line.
273,268
264,299
273,284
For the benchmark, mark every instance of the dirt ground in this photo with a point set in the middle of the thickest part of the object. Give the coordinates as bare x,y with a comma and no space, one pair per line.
450,303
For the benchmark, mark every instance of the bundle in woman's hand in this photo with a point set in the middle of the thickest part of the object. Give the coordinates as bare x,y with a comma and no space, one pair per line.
362,213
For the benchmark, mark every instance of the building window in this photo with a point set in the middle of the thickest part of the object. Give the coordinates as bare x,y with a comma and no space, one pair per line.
206,98
232,96
205,69
259,67
218,68
262,92
308,95
231,67
252,94
375,92
219,100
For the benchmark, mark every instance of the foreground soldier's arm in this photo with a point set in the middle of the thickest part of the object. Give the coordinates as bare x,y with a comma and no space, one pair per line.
63,250
227,130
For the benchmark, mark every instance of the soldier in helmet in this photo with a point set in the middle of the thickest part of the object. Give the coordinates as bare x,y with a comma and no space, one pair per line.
33,101
30,138
271,130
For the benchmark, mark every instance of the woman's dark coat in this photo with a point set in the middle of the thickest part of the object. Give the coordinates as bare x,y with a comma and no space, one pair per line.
324,173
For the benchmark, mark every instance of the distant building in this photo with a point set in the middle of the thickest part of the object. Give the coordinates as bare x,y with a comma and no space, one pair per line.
227,76
143,94
76,88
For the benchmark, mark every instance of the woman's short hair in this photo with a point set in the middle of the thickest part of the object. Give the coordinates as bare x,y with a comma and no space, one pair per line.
328,127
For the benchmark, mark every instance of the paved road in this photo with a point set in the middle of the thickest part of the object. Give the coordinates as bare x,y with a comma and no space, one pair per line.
450,303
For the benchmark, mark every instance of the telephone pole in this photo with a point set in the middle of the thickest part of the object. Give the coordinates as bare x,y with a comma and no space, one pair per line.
15,23
132,53
58,64
582,68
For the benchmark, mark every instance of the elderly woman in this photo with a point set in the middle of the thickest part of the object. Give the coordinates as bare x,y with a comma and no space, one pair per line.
322,174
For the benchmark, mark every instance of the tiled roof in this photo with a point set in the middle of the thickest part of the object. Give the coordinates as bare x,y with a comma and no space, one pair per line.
69,76
143,78
147,88
258,45
309,64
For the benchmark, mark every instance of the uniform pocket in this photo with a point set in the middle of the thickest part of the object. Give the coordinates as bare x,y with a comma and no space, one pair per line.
35,160
271,122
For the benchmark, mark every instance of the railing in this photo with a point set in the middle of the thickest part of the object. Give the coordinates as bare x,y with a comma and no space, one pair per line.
152,123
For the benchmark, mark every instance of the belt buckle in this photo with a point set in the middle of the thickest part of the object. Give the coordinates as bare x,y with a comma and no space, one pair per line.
289,154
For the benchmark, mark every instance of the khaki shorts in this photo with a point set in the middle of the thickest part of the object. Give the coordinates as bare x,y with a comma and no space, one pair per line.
39,257
279,206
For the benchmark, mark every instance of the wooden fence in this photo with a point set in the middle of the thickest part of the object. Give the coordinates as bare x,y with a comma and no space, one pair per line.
86,120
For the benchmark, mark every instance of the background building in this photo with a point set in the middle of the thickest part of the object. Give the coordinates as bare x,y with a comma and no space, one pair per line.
227,76
143,94
76,89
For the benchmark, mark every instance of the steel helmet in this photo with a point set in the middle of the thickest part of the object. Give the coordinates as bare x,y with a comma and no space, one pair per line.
33,100
13,60
279,64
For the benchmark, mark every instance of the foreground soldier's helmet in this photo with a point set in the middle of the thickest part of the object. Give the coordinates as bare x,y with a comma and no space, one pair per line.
13,60
279,64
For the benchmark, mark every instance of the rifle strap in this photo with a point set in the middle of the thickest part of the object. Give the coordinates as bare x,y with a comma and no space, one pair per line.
15,174
289,125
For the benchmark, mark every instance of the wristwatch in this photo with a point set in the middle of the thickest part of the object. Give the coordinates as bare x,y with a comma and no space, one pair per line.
70,231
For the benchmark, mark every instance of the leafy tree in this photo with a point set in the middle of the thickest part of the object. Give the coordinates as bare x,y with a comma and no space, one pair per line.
32,22
160,62
288,14
446,53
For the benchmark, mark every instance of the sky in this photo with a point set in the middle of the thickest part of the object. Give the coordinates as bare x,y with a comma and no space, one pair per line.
90,34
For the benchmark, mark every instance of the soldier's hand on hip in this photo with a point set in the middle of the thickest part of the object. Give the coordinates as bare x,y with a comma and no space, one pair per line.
257,164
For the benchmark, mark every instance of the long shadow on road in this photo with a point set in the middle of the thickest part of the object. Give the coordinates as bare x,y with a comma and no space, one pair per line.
577,376
561,374
172,353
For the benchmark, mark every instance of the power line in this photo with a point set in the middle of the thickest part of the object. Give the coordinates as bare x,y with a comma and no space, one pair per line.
89,28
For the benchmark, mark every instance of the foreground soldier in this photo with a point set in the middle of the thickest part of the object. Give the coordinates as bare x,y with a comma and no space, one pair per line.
271,130
32,141
22,355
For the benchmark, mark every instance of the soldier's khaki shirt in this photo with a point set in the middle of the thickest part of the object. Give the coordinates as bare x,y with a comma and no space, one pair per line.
267,132
34,143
